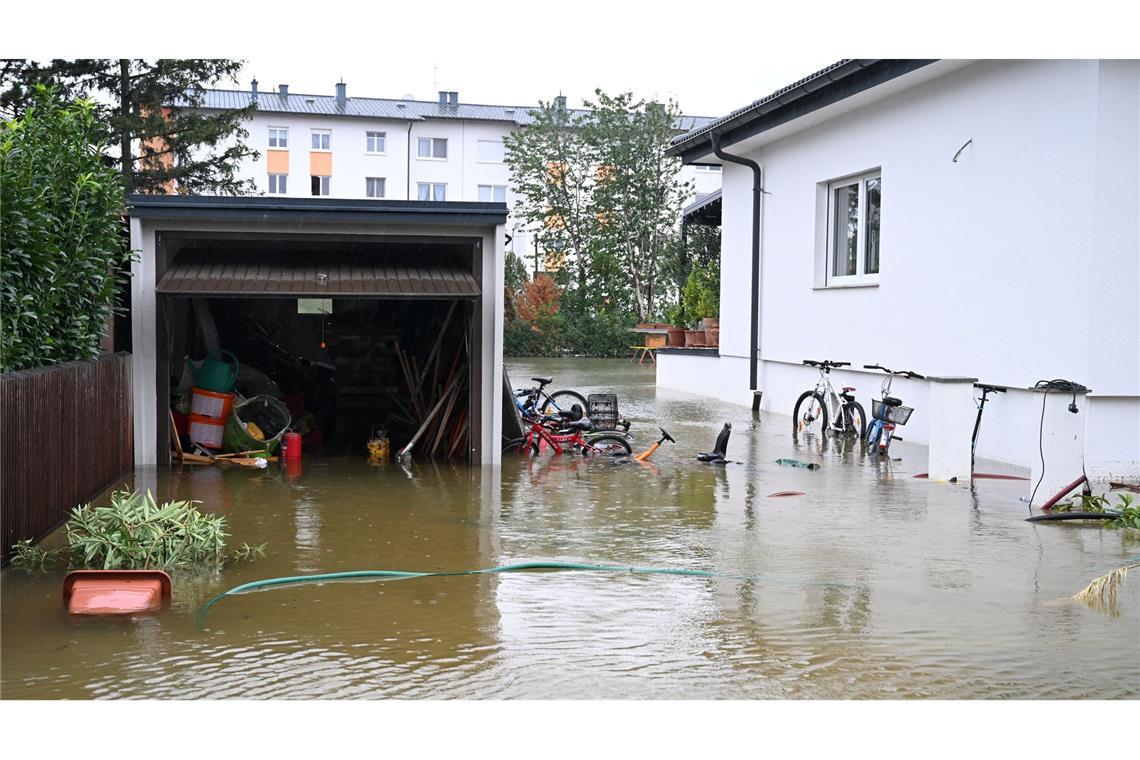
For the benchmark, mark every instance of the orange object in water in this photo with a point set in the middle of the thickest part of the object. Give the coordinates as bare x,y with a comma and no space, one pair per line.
115,592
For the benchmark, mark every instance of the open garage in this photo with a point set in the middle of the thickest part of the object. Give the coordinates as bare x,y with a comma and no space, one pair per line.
361,317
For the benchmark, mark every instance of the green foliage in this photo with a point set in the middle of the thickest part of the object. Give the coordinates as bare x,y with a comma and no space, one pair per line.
603,334
597,187
134,532
148,111
63,253
701,296
30,558
1129,517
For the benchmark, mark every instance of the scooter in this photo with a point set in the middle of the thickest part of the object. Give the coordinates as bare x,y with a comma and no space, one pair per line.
649,452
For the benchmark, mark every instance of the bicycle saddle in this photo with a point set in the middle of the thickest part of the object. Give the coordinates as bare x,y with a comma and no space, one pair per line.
720,449
573,413
584,425
543,380
892,401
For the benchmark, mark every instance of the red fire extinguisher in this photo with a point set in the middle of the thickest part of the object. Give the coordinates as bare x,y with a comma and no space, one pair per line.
292,445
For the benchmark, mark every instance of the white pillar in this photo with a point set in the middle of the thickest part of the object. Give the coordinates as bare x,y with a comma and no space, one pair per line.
952,415
1059,439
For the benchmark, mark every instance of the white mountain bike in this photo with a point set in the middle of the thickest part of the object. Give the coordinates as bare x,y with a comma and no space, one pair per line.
823,409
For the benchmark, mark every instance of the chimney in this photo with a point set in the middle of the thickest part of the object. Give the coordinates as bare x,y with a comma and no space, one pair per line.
560,101
253,89
341,96
443,98
453,98
283,90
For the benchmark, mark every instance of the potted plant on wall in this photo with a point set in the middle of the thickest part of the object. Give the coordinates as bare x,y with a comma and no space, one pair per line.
675,325
701,296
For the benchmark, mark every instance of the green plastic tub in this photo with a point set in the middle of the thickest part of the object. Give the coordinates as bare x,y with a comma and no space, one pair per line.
271,415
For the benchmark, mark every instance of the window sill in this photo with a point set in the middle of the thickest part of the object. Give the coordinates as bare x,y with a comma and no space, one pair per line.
320,150
370,153
846,285
429,158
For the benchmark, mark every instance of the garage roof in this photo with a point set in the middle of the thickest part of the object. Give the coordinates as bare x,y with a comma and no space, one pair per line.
323,274
309,209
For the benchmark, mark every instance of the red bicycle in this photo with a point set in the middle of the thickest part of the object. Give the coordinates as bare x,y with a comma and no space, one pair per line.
564,434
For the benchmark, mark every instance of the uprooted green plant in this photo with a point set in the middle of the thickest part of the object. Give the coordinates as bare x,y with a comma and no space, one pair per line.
135,533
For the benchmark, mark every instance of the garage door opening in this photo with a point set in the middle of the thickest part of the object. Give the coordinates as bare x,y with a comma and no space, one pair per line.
356,337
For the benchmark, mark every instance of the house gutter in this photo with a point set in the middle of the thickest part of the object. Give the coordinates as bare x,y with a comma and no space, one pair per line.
757,192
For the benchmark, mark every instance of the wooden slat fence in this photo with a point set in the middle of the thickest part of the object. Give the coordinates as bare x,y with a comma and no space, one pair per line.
66,434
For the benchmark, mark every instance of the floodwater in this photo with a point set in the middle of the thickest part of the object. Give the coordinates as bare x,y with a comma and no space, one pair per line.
873,584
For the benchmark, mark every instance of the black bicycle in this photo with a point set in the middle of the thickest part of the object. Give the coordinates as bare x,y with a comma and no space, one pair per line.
536,402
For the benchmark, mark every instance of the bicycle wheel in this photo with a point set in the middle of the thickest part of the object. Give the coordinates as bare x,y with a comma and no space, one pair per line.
874,432
855,420
561,401
518,447
810,415
607,446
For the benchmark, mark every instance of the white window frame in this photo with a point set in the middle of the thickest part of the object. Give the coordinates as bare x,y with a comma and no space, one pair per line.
325,133
325,186
492,188
827,228
383,186
502,149
278,187
431,190
372,135
431,149
277,133
707,168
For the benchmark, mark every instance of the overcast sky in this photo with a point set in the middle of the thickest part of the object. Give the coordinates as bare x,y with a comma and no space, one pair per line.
712,57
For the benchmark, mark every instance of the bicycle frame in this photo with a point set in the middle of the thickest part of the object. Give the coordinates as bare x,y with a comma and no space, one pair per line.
540,433
833,401
880,432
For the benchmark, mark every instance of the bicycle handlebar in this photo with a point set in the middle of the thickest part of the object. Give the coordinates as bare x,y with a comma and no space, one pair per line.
826,363
992,388
900,373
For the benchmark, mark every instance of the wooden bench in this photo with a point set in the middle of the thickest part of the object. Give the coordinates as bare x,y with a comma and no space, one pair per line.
640,352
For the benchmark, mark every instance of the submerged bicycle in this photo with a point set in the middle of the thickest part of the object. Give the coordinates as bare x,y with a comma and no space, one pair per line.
823,409
568,432
888,412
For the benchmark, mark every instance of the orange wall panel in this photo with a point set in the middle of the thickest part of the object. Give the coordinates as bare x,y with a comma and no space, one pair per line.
320,164
277,161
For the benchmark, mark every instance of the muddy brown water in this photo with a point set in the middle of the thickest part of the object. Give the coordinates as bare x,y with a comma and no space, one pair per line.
871,584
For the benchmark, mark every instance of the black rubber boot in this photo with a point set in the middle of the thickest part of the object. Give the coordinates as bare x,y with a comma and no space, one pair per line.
721,447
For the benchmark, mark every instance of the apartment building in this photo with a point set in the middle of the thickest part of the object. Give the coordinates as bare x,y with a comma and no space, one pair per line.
395,149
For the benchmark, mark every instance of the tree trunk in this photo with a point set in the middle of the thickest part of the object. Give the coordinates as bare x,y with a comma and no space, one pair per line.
125,115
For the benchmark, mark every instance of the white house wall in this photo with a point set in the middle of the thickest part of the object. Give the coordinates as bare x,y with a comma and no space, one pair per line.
1017,263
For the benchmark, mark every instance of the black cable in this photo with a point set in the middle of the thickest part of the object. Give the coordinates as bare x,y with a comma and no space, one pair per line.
1058,386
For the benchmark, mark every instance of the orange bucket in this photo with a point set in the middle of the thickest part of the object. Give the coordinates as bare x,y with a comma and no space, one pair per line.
207,431
212,404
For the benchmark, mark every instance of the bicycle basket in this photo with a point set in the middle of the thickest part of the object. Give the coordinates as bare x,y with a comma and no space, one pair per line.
602,409
896,414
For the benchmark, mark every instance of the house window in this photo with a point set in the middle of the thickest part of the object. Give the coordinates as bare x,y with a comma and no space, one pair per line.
374,187
493,193
277,184
432,147
490,151
278,137
320,185
852,236
375,142
322,138
703,168
431,191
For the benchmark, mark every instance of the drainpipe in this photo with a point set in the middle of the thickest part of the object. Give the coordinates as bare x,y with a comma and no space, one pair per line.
408,176
757,191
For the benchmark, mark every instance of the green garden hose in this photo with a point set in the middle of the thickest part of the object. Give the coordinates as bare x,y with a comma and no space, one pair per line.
387,574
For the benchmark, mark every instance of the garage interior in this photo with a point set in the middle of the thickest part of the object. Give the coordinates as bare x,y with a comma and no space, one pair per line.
358,335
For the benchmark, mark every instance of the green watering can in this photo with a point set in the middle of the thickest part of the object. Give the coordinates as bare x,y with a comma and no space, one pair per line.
217,375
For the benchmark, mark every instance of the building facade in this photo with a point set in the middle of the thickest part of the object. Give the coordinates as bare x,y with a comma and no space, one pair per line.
955,218
394,149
